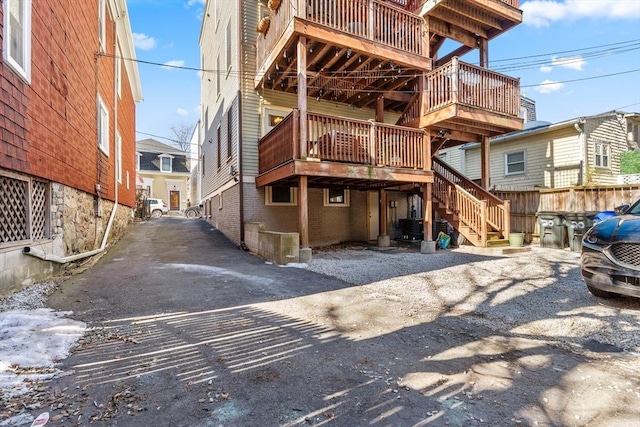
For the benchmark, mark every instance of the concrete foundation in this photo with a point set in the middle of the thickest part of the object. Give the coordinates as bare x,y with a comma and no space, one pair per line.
427,247
384,241
305,255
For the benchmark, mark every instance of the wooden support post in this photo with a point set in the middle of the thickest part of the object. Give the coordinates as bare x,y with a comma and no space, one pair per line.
427,203
380,109
384,226
422,91
303,211
302,94
507,218
455,80
485,159
483,44
426,152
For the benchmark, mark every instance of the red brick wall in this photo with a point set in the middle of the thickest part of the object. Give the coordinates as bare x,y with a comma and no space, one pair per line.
48,128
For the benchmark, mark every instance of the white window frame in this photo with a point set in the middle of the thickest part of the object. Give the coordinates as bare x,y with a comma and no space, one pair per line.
228,47
344,204
102,24
103,126
600,156
293,197
220,201
24,69
119,157
507,164
166,156
272,111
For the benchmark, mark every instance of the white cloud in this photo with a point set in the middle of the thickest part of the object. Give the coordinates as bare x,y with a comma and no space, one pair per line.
546,69
182,112
548,86
571,62
192,2
197,109
143,41
540,13
174,63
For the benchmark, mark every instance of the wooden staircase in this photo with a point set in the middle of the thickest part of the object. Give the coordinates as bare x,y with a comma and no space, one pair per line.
482,218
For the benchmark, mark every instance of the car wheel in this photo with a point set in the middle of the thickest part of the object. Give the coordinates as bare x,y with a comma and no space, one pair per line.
600,293
191,214
156,213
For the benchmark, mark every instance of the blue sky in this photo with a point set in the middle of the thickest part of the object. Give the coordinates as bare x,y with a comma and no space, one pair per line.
573,57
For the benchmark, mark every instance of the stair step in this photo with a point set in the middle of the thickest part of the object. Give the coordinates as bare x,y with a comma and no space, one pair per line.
494,243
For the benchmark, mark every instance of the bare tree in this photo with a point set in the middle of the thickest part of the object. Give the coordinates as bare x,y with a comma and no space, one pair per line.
182,136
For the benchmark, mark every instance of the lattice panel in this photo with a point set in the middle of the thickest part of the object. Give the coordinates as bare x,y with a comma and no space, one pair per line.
39,211
13,209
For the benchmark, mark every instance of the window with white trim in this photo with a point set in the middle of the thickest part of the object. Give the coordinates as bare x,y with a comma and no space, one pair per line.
602,153
281,196
102,24
16,46
166,163
514,163
228,36
119,157
103,126
336,197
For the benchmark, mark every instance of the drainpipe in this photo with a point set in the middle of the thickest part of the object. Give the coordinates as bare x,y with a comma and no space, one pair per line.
582,149
241,82
39,253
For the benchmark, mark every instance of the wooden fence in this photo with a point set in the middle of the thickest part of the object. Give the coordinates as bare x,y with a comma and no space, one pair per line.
525,204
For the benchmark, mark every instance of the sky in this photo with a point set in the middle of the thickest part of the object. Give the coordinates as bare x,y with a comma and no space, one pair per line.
573,58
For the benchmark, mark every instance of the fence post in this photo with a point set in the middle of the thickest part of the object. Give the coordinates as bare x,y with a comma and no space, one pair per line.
372,144
507,218
483,222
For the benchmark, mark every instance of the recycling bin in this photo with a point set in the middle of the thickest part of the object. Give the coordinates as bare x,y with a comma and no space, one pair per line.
577,224
553,231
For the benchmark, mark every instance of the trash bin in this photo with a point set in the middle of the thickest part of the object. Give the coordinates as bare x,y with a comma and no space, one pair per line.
577,224
553,232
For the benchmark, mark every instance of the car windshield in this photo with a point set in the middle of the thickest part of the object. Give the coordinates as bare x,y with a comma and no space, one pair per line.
634,210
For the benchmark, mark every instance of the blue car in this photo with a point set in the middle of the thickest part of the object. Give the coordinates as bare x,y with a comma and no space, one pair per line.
610,257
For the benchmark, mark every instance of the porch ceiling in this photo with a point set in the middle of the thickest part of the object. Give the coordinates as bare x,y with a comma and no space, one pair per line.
344,68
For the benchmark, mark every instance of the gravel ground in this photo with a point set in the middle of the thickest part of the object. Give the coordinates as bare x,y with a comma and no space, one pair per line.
531,294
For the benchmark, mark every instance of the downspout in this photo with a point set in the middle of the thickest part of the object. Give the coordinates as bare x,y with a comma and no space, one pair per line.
582,149
240,91
39,253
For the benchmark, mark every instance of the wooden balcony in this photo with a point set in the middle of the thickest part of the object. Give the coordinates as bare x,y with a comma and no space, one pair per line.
465,101
343,152
355,50
466,21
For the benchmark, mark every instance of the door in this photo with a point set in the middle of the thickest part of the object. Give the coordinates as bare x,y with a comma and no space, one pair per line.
174,200
373,215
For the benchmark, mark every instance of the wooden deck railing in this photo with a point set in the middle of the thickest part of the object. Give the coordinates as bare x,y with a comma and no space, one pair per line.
460,83
375,20
448,182
339,139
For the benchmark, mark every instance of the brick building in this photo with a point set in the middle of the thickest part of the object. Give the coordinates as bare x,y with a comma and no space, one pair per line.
67,133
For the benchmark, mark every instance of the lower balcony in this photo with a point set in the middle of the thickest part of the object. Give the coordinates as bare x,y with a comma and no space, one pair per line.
333,151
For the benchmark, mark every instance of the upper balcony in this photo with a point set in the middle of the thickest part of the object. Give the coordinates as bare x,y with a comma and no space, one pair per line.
467,21
464,101
354,50
345,152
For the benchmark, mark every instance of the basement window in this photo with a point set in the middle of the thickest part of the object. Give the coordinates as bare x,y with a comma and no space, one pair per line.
281,196
336,197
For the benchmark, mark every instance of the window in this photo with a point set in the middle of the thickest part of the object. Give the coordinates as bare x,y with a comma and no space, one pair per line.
602,155
16,49
165,163
229,135
220,201
336,197
102,24
271,117
281,196
514,163
203,164
103,126
119,157
219,147
118,60
228,47
218,75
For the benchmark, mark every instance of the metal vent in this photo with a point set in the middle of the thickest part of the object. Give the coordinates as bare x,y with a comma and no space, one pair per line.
627,253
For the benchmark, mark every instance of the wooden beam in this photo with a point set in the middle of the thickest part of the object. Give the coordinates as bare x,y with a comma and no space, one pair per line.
380,109
303,211
485,159
302,94
427,203
353,171
484,52
384,226
275,175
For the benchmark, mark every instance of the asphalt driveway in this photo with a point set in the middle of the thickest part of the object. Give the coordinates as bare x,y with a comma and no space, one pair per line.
185,329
